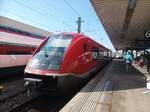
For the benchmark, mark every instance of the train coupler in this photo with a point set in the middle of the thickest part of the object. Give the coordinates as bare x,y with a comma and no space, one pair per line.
32,84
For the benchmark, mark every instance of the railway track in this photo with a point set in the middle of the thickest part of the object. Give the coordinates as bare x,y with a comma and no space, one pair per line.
44,103
25,101
14,94
16,100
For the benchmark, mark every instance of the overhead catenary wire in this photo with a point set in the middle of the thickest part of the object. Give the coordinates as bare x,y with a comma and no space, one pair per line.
60,13
78,14
75,11
79,21
28,7
23,17
97,25
40,13
43,14
91,27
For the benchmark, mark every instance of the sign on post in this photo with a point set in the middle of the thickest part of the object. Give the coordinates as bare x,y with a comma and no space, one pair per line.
147,35
142,43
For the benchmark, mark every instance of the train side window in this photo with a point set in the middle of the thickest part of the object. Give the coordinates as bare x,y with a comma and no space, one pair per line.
85,47
19,52
101,53
95,52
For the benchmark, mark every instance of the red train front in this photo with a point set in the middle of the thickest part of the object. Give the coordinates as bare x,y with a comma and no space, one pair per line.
64,58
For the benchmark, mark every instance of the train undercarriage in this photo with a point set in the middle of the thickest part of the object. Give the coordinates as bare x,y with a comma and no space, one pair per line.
51,84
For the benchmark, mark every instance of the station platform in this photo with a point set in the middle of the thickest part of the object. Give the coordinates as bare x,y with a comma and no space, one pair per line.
112,90
143,70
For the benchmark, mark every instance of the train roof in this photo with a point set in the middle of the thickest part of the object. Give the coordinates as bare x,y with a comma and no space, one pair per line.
72,33
68,33
7,22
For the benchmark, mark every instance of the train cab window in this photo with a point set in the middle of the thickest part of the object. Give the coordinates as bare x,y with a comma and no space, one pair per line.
56,45
3,27
85,47
52,52
59,41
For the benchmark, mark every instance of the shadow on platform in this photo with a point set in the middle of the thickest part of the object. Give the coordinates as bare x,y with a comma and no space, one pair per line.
119,77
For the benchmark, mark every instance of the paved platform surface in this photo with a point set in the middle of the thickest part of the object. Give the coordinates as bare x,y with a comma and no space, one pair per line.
112,90
143,70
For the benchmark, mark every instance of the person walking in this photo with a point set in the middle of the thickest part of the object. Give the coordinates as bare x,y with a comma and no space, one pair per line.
141,61
147,56
128,59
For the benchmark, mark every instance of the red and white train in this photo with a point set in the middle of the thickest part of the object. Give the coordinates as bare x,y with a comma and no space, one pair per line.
64,58
16,47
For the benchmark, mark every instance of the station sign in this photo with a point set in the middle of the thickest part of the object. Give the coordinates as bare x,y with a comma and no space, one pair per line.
147,34
142,43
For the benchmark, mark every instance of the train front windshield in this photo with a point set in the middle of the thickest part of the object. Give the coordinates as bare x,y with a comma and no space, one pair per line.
51,54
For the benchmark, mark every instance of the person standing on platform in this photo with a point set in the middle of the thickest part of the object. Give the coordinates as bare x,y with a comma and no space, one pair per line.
141,61
128,59
147,56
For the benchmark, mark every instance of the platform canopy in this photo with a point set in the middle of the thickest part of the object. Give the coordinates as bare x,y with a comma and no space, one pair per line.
124,20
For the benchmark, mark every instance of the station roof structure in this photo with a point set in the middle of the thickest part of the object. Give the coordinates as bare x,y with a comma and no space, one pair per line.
123,20
18,25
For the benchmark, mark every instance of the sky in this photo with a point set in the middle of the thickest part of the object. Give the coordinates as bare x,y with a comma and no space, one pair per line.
57,16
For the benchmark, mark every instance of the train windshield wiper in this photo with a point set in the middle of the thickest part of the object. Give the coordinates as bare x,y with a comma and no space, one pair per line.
45,52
